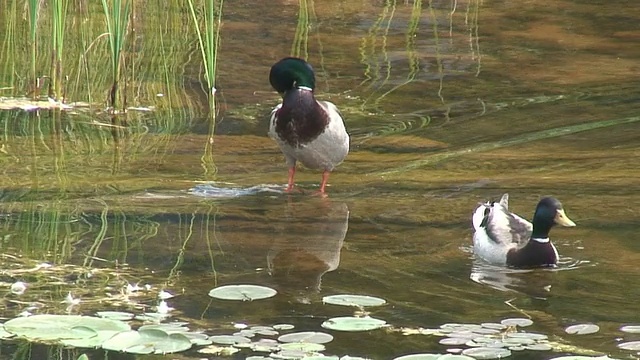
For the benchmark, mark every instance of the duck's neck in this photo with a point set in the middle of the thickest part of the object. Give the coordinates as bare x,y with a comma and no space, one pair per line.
541,228
301,118
300,98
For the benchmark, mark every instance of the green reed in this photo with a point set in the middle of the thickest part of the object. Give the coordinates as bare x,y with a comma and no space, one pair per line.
59,17
8,49
412,53
34,12
117,18
300,46
209,41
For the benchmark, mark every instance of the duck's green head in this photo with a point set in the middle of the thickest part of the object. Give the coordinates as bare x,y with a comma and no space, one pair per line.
290,73
549,212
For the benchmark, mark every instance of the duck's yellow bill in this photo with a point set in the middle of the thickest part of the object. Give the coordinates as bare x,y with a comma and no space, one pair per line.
562,219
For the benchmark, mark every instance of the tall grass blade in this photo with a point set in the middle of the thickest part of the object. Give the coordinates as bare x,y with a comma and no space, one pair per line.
59,9
34,11
209,40
117,18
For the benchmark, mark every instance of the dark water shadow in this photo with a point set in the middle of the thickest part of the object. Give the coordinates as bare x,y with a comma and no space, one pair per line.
536,283
307,242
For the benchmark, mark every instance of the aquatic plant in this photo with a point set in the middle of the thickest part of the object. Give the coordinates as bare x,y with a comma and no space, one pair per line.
34,10
59,17
209,41
117,18
300,47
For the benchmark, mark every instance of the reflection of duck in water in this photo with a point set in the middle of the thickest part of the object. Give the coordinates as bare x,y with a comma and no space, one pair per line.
307,244
536,284
306,130
504,238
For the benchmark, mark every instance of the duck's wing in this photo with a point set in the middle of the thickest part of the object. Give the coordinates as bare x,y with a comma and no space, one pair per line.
500,225
272,122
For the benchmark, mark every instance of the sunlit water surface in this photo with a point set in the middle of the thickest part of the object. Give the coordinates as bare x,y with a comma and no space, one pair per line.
448,103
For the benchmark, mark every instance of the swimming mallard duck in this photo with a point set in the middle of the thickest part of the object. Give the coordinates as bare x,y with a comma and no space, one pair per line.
307,130
504,238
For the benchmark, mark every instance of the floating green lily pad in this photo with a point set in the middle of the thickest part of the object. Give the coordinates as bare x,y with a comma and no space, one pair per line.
522,322
632,329
115,315
242,292
169,328
151,317
527,335
453,341
151,341
283,327
486,352
631,345
306,337
199,339
302,346
61,327
353,300
288,355
581,357
419,357
229,339
495,326
4,334
455,357
539,347
582,329
91,341
351,323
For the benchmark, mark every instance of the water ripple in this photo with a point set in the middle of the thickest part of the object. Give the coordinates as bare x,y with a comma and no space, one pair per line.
227,190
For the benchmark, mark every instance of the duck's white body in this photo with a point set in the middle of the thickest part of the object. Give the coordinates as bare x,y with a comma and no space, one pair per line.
497,231
324,152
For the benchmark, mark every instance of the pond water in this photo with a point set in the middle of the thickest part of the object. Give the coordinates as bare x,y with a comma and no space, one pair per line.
448,103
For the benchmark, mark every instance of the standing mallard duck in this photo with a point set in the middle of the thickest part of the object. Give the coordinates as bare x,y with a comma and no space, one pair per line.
504,238
307,130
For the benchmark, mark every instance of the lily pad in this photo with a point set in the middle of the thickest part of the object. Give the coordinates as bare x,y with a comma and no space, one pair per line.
351,323
151,341
353,300
581,357
582,329
283,327
632,329
115,315
486,353
631,345
455,357
527,335
61,327
288,355
168,328
303,346
242,292
522,322
306,337
199,339
229,339
94,342
539,347
453,341
495,326
419,357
